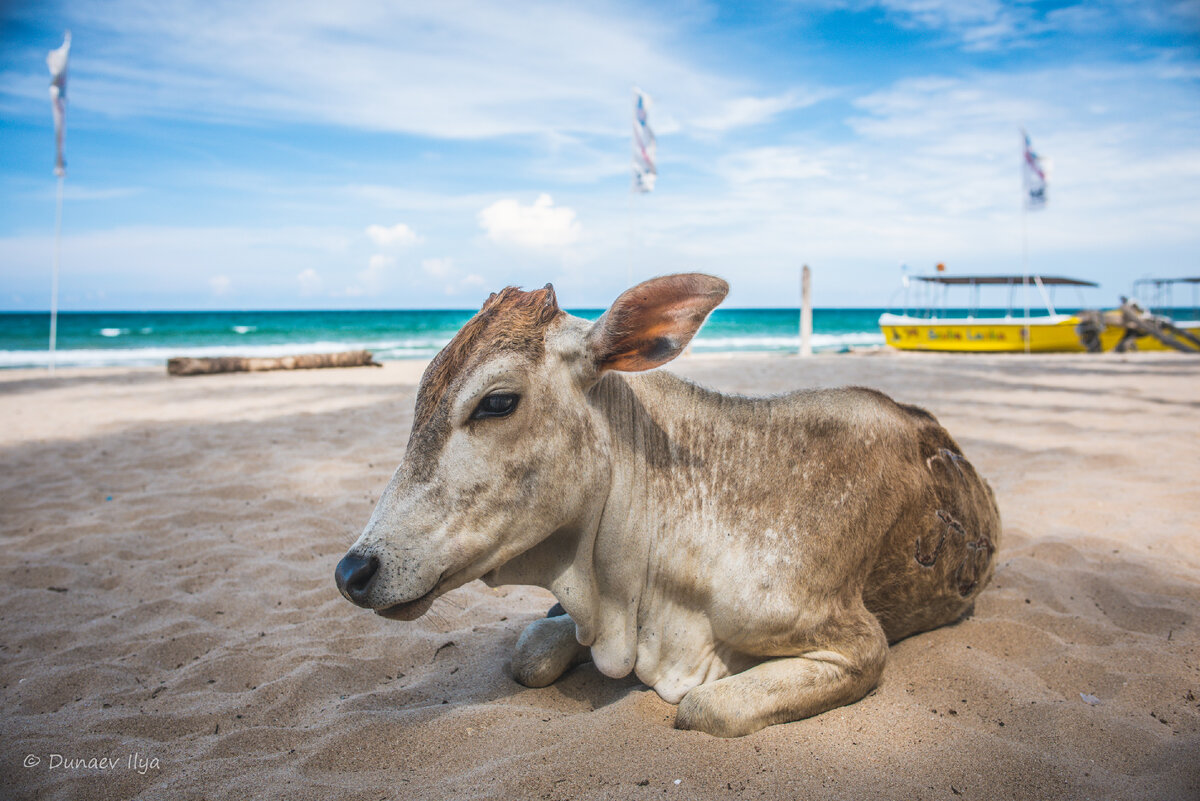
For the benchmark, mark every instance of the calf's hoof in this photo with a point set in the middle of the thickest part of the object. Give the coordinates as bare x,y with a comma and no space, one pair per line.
702,710
546,650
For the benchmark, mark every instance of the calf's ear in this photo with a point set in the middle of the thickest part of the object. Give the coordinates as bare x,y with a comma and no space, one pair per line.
653,322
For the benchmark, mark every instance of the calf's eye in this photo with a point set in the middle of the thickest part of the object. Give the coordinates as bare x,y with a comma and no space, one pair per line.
500,404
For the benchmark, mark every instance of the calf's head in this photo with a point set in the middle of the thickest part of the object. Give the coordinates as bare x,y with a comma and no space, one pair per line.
506,447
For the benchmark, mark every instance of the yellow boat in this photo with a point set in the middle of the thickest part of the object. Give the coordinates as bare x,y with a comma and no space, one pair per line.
1053,334
1047,333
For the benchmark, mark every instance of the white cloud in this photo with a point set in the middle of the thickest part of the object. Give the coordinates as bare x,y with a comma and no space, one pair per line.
989,25
310,282
772,164
76,192
127,262
466,70
449,277
540,225
746,111
371,281
396,236
923,168
930,171
979,24
439,268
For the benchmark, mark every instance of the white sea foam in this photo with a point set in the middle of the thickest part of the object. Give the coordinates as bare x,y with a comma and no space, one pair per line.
113,332
819,342
244,329
401,348
140,357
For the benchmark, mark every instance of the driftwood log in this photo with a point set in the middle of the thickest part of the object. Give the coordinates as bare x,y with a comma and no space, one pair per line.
185,365
1137,323
1091,325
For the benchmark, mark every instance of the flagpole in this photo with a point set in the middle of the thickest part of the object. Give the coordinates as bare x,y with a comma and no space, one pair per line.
644,170
54,279
629,261
1025,231
56,61
1025,267
633,186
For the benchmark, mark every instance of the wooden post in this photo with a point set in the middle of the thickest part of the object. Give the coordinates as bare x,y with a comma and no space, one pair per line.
806,311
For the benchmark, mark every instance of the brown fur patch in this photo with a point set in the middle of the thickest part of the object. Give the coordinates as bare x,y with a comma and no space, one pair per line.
510,321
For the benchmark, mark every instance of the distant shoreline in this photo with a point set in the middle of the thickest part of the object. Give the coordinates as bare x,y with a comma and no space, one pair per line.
76,371
150,338
414,366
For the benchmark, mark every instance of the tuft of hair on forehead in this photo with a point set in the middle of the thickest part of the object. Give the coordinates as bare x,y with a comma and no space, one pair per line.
510,321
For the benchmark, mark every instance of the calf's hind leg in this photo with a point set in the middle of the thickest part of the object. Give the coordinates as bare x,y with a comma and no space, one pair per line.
546,650
789,688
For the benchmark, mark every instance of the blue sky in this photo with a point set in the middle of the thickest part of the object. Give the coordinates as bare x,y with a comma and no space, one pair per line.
359,154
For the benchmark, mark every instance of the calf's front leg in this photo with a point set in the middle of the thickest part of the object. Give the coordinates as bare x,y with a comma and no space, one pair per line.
547,649
789,688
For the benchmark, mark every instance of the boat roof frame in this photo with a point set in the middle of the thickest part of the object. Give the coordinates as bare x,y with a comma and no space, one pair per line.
1002,280
1160,298
1160,281
1012,281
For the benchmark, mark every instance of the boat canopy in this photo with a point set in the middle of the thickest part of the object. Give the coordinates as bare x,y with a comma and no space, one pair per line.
1043,283
1004,280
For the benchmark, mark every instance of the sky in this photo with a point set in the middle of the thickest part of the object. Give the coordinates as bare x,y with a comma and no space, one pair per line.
302,154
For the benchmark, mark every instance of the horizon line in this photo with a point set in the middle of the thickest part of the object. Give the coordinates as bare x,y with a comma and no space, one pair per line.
413,309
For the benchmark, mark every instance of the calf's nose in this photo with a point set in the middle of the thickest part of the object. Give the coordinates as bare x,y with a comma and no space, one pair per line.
354,575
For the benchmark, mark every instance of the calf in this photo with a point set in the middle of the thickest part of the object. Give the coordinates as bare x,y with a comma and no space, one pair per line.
748,558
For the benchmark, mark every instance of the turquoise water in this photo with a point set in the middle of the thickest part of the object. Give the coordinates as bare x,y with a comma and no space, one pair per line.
89,339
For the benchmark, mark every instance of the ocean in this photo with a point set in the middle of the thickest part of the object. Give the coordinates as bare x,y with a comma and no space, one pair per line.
96,339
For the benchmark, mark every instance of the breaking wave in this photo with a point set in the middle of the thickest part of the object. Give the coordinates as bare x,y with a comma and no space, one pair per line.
416,348
143,357
721,344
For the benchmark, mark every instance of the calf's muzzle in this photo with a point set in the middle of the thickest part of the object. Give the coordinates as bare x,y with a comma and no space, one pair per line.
354,575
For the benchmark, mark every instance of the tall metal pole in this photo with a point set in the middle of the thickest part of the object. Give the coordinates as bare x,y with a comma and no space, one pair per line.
54,279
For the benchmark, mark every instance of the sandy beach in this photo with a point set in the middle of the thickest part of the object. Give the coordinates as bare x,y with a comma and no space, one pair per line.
169,626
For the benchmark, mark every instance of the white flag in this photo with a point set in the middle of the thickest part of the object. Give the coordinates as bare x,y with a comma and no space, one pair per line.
1034,176
645,149
57,62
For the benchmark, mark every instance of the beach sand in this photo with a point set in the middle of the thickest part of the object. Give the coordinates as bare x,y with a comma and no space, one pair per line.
168,604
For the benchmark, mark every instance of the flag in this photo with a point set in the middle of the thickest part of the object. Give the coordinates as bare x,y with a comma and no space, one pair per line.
56,60
644,147
1033,172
